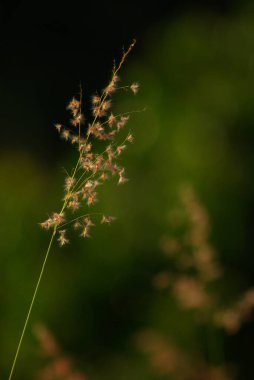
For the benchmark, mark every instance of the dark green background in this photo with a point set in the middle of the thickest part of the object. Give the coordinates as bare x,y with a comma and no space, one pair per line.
195,64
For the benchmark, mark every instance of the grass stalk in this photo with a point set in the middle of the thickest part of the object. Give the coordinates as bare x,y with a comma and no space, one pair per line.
31,304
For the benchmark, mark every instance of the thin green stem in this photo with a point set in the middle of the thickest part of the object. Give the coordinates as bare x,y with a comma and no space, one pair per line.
31,304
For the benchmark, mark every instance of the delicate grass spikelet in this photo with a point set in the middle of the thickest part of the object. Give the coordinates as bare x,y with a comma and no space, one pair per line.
85,232
62,238
122,179
107,219
134,88
58,127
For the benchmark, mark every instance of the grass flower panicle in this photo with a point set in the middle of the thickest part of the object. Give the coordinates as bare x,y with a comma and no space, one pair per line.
92,169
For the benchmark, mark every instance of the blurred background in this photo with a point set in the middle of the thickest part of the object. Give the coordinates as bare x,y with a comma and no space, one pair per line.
166,292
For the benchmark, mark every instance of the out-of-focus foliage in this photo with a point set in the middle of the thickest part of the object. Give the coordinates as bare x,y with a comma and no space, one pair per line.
196,79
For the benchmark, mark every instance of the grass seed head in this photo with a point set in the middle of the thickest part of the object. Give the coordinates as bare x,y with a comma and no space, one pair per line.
96,162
